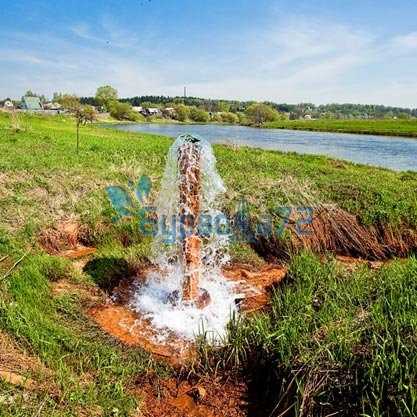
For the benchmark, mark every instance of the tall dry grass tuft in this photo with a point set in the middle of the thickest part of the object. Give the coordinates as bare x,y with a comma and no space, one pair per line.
15,122
334,229
331,229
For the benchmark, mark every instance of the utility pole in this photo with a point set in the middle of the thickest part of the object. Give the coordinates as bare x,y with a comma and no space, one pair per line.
185,92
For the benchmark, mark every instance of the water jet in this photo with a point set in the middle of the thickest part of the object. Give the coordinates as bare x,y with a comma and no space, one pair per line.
186,293
190,289
189,160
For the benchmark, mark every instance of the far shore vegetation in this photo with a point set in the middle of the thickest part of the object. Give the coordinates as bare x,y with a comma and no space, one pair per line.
386,127
107,106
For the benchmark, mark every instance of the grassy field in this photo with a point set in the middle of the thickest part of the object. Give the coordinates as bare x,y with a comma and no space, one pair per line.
389,127
335,341
333,334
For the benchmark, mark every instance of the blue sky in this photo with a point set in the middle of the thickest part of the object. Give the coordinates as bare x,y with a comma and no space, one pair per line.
316,51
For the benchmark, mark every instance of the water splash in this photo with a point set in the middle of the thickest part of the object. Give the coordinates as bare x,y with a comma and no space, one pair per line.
154,300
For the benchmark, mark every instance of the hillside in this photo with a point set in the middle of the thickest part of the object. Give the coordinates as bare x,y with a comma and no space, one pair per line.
339,332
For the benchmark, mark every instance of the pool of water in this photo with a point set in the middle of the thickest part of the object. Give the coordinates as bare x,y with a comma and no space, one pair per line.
384,151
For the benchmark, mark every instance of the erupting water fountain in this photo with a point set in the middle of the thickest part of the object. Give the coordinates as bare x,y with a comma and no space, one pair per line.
191,288
187,293
189,157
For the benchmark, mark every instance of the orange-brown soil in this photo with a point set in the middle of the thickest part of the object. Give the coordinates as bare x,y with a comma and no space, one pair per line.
180,398
254,286
115,318
333,229
184,396
79,251
132,329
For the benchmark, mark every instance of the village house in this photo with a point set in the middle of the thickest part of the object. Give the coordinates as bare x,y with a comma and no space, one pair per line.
153,111
8,105
147,111
52,106
31,103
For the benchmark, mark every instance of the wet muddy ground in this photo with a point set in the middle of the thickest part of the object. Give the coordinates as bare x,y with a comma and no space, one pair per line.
116,318
184,394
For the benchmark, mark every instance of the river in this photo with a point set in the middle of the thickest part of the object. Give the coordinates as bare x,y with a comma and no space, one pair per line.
395,153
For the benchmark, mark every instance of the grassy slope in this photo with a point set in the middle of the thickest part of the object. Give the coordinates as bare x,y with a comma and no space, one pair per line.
334,342
389,127
42,180
41,162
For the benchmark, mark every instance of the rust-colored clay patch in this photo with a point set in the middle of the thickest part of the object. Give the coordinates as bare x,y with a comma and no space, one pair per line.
206,398
255,285
77,252
116,319
130,328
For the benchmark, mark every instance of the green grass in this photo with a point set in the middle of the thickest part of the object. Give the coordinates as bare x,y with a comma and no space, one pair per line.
388,127
50,178
341,341
43,180
89,370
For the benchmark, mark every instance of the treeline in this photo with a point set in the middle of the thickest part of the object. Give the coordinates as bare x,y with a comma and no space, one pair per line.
209,105
214,106
345,111
191,109
293,111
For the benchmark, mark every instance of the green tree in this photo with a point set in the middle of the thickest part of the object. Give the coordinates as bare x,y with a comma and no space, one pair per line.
149,104
223,106
106,95
198,115
259,113
229,117
123,111
69,102
182,112
83,114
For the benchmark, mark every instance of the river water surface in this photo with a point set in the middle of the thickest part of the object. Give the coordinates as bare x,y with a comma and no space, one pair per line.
395,153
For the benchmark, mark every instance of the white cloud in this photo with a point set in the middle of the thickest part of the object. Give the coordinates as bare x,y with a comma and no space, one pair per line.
304,39
406,42
107,32
302,59
82,30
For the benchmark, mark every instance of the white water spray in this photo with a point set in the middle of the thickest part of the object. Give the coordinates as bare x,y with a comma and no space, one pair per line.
154,300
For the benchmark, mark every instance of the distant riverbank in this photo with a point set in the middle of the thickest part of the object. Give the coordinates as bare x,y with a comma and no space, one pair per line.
390,127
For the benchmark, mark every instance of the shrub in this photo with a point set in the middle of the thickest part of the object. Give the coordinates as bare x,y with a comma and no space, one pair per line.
243,119
198,115
123,111
216,117
229,117
182,112
259,113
